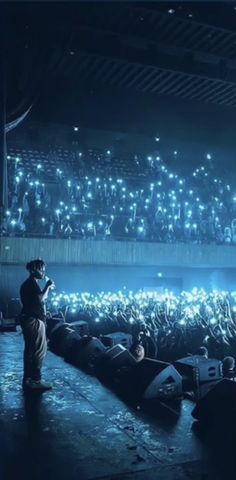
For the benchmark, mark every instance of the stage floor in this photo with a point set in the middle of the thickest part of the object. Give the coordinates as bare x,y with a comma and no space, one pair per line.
81,430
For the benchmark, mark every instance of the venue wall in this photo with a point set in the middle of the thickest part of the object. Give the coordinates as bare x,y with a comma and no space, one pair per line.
14,250
110,265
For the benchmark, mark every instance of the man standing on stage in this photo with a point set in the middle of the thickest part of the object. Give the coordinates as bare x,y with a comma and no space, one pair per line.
32,320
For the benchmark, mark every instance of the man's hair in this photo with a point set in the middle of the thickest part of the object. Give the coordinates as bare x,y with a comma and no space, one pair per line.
35,264
133,350
202,351
228,363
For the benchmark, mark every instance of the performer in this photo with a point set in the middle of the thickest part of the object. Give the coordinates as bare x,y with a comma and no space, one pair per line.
32,321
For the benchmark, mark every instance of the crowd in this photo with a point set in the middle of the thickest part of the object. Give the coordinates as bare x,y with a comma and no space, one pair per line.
177,325
170,208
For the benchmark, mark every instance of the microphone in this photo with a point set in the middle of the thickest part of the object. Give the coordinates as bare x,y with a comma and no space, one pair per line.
53,285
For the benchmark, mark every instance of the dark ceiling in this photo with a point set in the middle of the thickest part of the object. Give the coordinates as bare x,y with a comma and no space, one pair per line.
181,50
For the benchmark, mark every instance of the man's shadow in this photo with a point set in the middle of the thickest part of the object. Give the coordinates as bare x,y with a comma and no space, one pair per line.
38,453
50,453
33,405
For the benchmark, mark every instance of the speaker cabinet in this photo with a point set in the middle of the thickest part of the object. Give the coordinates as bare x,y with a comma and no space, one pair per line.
53,323
116,338
81,327
115,365
118,358
87,352
58,338
152,379
196,369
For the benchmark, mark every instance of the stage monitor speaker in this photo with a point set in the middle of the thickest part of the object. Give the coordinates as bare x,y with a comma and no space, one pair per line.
13,308
116,365
81,327
218,405
58,338
7,324
52,323
196,369
121,338
118,358
152,379
74,343
114,351
89,351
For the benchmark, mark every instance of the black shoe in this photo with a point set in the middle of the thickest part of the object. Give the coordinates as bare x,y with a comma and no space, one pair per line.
30,384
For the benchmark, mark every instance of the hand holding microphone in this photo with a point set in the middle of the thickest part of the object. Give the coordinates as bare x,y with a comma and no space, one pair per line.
50,283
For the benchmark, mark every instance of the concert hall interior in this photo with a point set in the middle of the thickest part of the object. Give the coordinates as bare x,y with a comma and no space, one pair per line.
117,240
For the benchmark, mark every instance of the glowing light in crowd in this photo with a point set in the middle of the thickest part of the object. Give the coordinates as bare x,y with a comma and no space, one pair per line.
182,220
